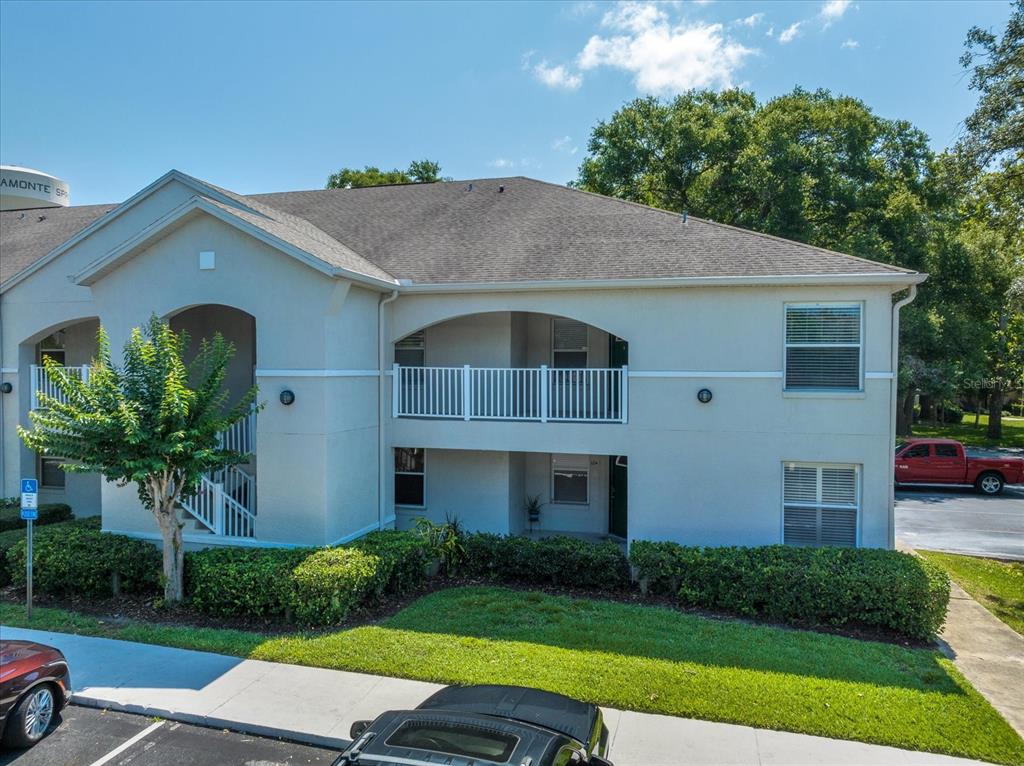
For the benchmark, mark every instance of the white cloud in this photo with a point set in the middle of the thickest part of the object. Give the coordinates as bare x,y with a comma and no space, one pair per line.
582,8
833,10
564,144
663,56
790,33
556,76
750,21
501,162
850,44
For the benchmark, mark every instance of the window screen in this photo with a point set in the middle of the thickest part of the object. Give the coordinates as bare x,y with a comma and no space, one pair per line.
823,347
570,479
409,351
820,504
51,472
410,477
568,344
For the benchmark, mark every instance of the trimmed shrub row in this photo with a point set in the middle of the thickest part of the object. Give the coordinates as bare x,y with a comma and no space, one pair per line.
49,513
803,586
77,558
561,561
312,586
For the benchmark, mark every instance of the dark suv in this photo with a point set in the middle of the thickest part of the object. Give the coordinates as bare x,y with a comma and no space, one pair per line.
483,726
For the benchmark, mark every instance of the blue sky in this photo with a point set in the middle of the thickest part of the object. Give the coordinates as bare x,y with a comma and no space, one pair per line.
264,97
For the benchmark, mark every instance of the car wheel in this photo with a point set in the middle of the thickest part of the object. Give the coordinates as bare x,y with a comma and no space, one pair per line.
990,484
31,717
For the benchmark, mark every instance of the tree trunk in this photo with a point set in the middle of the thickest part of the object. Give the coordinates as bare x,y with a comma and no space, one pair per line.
905,414
927,409
995,413
174,554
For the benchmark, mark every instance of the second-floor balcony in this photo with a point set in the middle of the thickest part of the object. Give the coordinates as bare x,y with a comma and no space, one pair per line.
542,394
239,436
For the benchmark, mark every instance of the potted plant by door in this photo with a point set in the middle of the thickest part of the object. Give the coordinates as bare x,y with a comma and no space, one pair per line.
533,505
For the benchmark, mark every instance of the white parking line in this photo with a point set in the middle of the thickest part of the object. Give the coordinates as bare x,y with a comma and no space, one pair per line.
128,743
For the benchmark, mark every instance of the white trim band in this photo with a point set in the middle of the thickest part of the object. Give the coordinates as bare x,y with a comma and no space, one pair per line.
9,370
703,374
317,373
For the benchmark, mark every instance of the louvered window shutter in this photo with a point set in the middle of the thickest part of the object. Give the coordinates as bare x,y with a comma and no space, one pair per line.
820,504
823,347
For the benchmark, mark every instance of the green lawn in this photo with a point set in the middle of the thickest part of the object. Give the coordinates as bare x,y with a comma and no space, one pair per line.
638,658
974,435
997,585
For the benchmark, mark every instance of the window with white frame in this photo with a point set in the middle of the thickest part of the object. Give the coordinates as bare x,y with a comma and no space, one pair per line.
823,347
821,503
568,343
52,346
570,479
410,477
51,473
409,351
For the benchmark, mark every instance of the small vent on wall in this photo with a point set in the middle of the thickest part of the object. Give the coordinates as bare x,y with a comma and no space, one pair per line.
207,260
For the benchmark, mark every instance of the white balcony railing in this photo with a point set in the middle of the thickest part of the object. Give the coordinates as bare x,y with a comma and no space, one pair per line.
43,383
590,395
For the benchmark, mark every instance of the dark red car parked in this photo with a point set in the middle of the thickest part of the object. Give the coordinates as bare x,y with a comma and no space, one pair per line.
35,685
944,461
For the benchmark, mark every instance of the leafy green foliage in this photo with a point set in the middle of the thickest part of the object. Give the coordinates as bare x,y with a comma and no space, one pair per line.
49,513
403,558
329,584
12,537
314,586
154,422
79,559
804,586
419,172
558,560
444,541
995,130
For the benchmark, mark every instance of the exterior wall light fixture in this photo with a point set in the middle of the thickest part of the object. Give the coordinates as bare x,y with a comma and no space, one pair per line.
704,395
287,397
7,387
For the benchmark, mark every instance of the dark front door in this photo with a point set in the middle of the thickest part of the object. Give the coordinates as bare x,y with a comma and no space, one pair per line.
617,495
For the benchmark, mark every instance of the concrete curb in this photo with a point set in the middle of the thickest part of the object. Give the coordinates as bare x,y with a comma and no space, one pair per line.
212,722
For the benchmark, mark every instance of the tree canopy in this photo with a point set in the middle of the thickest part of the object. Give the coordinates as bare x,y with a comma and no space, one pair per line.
154,422
418,172
823,169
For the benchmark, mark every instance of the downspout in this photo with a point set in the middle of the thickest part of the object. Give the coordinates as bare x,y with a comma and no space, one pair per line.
381,415
893,396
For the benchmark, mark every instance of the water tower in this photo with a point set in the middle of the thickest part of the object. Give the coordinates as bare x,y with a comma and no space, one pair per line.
25,188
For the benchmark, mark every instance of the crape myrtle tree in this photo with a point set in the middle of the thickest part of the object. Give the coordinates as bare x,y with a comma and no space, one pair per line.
154,422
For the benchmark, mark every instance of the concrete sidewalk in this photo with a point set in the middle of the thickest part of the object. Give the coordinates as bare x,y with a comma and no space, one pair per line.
988,652
318,706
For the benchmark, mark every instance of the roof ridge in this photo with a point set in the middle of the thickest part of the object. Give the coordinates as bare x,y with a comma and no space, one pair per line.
729,226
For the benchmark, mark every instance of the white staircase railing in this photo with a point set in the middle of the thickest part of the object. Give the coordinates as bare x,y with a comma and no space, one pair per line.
240,436
587,395
43,383
218,505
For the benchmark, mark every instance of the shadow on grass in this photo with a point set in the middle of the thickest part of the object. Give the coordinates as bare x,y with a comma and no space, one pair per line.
501,614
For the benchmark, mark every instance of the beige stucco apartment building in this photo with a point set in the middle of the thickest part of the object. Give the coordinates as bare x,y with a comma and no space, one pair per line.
453,349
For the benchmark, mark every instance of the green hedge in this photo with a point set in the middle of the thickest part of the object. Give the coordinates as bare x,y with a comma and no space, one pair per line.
77,558
9,538
560,561
49,513
333,582
231,582
313,586
803,586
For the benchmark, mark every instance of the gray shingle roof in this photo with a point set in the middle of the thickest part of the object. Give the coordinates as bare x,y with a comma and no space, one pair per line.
469,231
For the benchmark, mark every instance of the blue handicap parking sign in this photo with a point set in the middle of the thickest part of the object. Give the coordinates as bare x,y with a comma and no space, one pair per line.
29,486
29,514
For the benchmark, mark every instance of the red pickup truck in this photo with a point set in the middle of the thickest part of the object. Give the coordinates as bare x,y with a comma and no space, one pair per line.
944,461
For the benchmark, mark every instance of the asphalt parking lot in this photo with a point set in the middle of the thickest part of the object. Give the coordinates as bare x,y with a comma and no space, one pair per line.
962,521
89,737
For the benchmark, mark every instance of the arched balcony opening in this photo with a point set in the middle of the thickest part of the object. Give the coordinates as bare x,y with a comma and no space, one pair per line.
513,365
